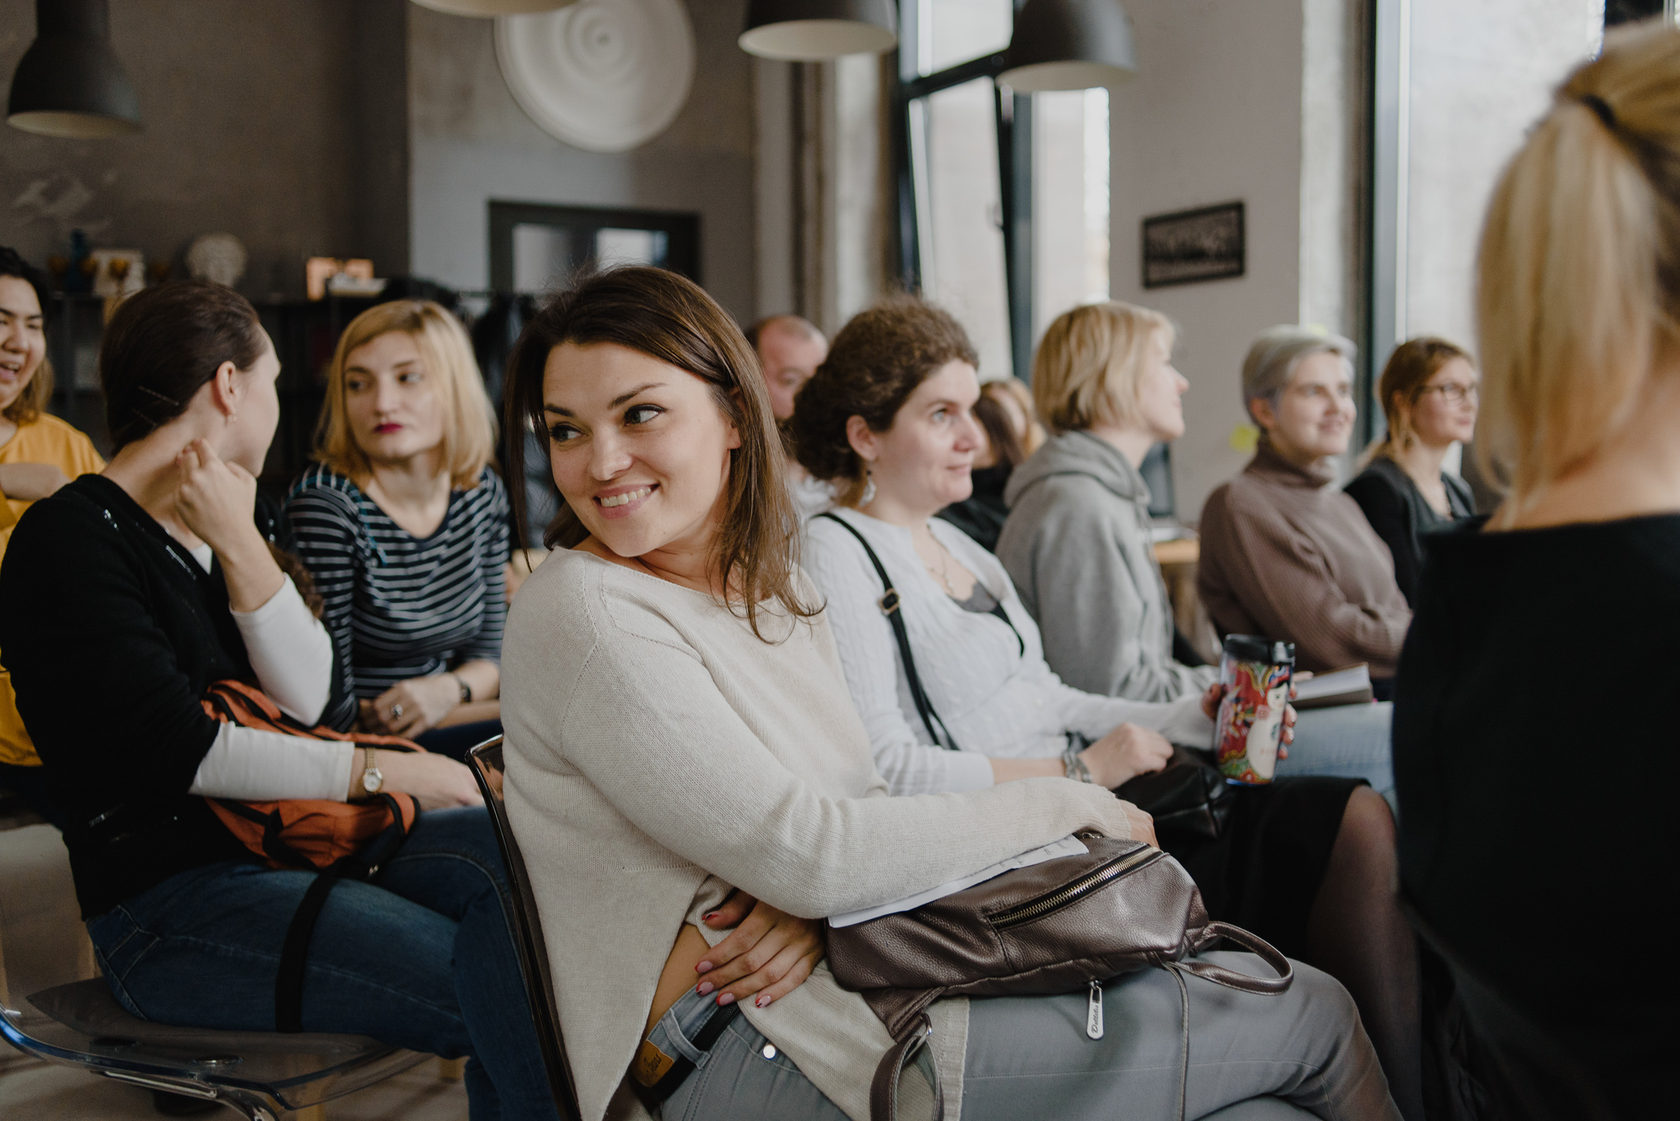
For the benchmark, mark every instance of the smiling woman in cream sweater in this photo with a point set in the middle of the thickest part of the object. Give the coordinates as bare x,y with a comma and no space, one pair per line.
677,722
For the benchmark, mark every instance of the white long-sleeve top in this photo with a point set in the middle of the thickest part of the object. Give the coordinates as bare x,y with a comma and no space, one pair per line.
992,690
292,656
657,749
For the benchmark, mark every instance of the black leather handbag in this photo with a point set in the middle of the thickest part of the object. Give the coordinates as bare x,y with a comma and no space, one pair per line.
1188,798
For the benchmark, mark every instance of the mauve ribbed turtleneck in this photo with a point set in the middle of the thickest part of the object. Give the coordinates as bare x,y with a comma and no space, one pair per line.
1287,555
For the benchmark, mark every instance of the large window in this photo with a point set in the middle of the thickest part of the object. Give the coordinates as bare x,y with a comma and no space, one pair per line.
1003,200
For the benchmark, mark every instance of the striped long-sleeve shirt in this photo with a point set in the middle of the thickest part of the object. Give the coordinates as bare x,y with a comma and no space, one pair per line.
400,606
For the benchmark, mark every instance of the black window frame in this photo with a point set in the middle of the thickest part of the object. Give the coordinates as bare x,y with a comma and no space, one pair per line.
1013,118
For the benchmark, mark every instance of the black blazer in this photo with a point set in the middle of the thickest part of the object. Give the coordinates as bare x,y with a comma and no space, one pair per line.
1398,512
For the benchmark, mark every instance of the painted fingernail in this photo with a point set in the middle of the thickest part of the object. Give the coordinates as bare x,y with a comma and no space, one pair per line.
726,998
762,1001
705,988
703,967
709,915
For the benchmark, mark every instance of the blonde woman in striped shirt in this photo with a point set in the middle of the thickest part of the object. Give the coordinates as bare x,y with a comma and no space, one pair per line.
404,526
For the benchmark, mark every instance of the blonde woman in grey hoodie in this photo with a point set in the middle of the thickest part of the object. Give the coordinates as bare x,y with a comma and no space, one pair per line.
1077,546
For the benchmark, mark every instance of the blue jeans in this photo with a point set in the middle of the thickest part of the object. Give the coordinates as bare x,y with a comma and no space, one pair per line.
420,958
1345,741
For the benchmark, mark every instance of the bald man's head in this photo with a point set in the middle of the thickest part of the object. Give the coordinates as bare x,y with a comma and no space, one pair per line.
790,349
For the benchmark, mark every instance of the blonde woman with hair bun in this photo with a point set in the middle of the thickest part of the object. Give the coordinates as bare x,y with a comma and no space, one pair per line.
1534,698
404,525
1429,390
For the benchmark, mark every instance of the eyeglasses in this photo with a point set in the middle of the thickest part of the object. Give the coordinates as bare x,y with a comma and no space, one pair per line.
1454,392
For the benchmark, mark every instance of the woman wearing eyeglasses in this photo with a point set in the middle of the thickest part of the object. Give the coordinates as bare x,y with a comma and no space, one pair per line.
1284,553
1429,391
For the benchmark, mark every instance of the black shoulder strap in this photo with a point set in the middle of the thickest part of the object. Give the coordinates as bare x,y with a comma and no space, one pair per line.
889,604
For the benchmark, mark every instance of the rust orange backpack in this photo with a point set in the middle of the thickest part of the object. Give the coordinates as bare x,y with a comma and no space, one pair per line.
306,832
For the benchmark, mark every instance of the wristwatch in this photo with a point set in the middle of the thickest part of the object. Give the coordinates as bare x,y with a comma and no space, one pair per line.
466,690
372,781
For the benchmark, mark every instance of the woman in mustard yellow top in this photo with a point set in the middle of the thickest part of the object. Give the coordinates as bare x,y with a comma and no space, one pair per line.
38,454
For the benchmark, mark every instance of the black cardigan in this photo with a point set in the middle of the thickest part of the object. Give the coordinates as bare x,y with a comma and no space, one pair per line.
1401,515
112,631
1535,724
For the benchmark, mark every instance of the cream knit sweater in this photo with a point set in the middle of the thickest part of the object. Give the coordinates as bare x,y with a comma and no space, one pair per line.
657,751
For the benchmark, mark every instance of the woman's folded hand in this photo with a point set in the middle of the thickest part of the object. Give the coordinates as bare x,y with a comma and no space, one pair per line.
1125,753
436,781
766,956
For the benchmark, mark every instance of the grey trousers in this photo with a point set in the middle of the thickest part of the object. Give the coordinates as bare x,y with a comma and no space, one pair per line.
1252,1058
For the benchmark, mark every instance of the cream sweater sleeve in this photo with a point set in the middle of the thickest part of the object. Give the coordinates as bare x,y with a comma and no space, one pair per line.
656,731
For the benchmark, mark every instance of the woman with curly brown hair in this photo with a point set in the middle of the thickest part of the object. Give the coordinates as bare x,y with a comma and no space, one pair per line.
1307,862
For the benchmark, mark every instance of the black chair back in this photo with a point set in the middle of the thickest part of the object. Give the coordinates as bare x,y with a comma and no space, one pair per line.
486,761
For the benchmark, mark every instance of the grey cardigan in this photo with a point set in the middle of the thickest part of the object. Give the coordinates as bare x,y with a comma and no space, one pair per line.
1077,546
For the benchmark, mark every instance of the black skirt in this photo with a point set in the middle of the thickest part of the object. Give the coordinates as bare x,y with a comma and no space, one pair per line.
1264,869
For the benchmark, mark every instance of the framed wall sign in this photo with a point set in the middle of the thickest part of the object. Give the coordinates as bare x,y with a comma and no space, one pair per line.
1194,245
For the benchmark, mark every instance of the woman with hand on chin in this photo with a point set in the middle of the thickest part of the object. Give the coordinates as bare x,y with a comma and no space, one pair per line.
1306,862
1286,554
404,526
38,454
677,722
123,597
1429,390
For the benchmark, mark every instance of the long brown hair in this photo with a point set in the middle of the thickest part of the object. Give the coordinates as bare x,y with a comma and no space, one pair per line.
672,319
163,344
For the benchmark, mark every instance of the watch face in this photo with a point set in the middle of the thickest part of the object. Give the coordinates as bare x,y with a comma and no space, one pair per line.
372,780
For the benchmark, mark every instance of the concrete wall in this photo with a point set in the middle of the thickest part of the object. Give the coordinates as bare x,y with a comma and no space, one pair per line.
250,115
470,142
1213,115
1503,57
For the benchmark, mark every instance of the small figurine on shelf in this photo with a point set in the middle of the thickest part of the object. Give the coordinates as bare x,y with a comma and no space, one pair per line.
218,258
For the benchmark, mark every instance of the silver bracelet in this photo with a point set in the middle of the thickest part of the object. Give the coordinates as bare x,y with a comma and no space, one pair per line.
1073,766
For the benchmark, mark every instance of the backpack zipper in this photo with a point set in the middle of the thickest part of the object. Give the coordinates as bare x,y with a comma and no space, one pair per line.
1068,893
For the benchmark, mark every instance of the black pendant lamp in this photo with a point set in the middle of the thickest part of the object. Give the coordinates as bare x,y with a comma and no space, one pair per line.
487,9
1069,45
814,30
70,82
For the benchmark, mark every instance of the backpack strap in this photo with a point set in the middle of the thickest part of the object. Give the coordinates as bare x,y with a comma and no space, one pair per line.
889,604
294,952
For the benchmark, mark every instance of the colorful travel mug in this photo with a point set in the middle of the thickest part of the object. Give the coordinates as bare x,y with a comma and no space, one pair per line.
1255,672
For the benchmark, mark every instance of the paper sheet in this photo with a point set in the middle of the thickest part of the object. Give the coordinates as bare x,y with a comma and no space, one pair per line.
1067,846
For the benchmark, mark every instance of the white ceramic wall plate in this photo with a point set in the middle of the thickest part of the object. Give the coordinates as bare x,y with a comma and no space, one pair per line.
605,75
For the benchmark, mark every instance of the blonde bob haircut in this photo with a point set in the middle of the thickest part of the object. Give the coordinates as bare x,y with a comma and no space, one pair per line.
1578,273
469,422
1090,362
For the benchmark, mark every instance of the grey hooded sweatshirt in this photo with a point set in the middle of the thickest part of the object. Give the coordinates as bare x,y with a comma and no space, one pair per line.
1077,545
